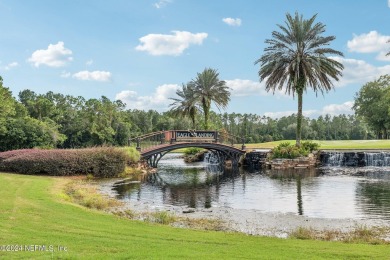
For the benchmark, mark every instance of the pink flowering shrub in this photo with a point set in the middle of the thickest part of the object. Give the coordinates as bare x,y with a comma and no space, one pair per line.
100,162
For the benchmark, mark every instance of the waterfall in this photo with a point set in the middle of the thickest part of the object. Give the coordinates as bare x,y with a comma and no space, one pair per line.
355,159
335,159
377,159
212,158
338,159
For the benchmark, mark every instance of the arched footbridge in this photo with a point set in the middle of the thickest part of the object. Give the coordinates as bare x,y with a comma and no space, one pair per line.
155,145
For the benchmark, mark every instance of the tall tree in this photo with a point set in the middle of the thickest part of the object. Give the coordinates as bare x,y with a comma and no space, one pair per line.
295,59
372,105
185,104
388,54
7,105
208,88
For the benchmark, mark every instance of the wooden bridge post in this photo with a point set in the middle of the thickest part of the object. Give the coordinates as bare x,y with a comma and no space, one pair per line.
243,147
162,138
173,137
138,148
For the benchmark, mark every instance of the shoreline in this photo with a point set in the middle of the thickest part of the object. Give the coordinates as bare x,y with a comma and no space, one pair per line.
250,221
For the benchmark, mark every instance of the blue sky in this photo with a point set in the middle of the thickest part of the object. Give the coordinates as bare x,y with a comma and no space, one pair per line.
141,51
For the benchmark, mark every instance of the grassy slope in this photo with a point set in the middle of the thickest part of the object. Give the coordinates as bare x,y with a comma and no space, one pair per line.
340,144
33,213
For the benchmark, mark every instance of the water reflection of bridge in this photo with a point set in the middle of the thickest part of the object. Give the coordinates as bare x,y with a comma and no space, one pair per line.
195,188
198,188
155,145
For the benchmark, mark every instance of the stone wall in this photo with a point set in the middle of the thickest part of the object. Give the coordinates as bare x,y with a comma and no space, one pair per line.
298,163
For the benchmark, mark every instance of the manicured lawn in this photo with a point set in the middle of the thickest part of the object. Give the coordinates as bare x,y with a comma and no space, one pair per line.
33,213
340,144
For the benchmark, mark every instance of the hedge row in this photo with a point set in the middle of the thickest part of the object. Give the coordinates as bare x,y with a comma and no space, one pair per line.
100,162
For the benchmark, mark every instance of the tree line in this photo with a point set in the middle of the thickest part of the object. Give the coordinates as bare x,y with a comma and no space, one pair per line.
55,120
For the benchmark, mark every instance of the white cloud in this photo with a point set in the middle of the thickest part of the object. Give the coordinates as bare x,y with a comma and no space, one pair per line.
162,3
164,44
338,109
93,75
65,74
232,21
279,114
244,87
126,95
382,56
370,43
307,113
359,72
388,3
56,55
89,63
11,65
332,109
159,100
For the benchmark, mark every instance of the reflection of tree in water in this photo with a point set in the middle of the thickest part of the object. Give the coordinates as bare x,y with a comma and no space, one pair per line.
291,174
193,187
374,198
289,177
129,186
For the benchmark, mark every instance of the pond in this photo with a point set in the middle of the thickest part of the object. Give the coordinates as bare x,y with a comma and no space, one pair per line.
333,192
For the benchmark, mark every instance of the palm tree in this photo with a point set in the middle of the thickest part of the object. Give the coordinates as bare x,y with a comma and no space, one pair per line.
295,59
207,89
185,104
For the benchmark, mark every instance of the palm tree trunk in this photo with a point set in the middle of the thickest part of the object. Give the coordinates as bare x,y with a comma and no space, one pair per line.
299,117
299,195
206,111
206,119
193,117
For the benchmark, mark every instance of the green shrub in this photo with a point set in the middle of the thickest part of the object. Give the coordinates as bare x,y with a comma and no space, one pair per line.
279,152
88,196
285,151
192,150
284,144
310,146
290,151
163,217
100,162
132,154
303,233
304,152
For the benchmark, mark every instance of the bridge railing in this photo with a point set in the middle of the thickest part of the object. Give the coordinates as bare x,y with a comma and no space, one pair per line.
147,141
150,140
229,139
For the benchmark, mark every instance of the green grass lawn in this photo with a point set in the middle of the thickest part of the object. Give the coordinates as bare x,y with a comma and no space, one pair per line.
339,144
33,213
